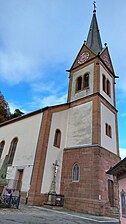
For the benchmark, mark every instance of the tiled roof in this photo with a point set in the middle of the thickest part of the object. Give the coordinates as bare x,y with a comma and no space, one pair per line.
118,169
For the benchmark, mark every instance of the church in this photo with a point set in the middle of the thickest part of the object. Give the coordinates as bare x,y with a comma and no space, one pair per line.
80,137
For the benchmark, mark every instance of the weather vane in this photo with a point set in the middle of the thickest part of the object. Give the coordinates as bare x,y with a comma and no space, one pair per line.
94,6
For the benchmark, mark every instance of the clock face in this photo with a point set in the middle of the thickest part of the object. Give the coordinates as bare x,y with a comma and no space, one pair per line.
106,60
83,57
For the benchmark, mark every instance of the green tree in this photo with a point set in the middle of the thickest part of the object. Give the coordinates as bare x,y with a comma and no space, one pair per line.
17,113
4,109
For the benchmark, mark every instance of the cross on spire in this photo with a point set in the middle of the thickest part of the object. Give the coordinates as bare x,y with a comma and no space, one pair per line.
94,3
94,39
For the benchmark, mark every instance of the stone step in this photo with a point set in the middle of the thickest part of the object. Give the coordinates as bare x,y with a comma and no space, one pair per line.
49,206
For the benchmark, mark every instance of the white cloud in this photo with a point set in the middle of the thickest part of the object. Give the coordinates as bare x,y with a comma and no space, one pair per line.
122,152
14,106
15,67
53,100
45,87
47,101
31,39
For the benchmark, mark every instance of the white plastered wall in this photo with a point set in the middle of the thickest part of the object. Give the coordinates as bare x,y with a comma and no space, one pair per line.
59,121
80,94
108,98
80,125
27,131
108,117
75,125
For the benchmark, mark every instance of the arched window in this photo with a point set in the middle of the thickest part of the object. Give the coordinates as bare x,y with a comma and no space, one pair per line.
12,150
86,80
108,88
104,83
57,138
111,192
76,173
1,147
123,202
79,83
108,130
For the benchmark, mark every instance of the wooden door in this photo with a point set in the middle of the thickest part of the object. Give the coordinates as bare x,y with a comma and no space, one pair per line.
19,181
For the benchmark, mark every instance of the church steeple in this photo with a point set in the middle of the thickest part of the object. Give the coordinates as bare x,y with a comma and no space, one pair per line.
92,59
94,39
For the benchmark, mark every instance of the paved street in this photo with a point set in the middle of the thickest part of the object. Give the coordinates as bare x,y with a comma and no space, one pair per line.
37,215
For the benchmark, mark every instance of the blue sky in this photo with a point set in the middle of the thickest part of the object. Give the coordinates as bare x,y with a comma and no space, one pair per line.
39,40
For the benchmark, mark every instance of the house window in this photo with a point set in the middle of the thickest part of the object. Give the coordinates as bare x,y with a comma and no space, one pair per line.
1,147
108,130
123,203
57,138
79,83
76,173
12,150
86,80
111,192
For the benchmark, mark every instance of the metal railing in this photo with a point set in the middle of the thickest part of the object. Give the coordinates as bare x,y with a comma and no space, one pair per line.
9,201
10,194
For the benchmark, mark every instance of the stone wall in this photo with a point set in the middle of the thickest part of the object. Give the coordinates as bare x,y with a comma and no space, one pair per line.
90,194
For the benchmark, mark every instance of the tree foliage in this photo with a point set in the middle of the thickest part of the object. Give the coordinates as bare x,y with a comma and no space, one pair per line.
17,113
5,113
4,109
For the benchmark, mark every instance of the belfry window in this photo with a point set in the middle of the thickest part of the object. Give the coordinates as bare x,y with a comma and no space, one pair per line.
1,147
111,192
12,150
86,80
104,83
76,173
57,138
79,83
108,88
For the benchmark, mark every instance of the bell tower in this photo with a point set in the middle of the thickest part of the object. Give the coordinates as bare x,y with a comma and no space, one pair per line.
92,78
92,132
82,86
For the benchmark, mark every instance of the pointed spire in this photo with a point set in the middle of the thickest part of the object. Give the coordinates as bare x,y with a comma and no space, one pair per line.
94,39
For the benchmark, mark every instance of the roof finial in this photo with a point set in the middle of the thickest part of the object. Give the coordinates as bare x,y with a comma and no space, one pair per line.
94,3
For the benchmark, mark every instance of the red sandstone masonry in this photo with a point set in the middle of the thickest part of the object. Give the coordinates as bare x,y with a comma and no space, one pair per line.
35,190
96,121
96,76
83,196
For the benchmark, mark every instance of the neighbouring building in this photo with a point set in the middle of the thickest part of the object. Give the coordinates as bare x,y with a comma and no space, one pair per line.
81,135
119,171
